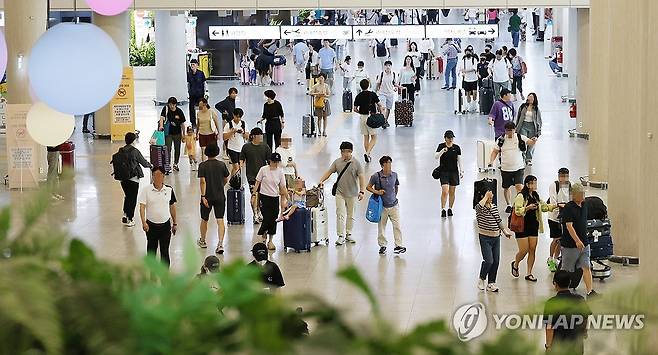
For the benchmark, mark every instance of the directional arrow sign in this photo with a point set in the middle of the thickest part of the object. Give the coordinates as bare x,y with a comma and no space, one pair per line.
461,31
316,32
389,31
243,32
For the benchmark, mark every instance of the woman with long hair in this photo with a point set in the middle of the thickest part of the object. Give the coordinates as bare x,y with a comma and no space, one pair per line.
530,206
417,57
518,72
408,79
528,123
207,126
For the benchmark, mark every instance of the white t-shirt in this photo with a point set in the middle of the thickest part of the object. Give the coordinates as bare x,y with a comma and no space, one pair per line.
287,155
389,83
562,196
511,158
236,142
469,68
348,70
271,180
500,70
157,202
415,56
426,45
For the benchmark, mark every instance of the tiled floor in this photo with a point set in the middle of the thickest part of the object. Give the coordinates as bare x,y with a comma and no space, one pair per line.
439,270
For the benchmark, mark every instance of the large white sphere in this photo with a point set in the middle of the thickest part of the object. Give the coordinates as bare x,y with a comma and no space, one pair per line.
75,68
47,126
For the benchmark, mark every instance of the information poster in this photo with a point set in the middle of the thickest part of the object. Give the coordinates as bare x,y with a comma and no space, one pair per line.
22,151
122,106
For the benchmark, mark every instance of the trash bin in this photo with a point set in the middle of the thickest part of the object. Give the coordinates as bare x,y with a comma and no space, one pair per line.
67,154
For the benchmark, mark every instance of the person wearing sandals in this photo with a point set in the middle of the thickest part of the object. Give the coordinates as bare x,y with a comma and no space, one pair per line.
272,195
530,206
213,176
321,93
490,225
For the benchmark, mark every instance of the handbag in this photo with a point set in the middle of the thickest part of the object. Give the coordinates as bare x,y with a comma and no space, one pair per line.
436,173
334,188
236,181
158,138
319,101
516,223
375,206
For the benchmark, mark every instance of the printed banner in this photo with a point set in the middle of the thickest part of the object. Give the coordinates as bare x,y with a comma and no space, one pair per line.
122,106
22,151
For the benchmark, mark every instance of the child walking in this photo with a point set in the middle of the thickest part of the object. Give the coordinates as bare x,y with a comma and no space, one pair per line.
190,147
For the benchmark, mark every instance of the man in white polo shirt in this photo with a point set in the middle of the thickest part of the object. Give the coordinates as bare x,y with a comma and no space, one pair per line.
157,208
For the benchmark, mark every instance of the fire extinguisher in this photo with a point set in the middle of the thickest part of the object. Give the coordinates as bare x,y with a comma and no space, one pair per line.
572,110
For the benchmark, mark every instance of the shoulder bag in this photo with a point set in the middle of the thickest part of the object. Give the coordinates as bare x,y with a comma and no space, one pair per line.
516,223
334,188
375,205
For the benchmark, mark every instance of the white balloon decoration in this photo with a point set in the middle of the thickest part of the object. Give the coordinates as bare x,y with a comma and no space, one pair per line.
75,68
47,126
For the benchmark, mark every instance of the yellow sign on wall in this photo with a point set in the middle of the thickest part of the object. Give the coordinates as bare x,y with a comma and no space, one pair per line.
22,150
122,106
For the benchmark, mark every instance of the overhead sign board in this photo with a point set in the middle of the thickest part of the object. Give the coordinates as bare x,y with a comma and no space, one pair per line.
388,31
316,32
243,32
461,31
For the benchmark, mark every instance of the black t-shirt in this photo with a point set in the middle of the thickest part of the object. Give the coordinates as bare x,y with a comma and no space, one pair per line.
559,312
255,156
530,219
273,110
226,108
366,102
578,216
195,83
214,171
490,56
448,160
174,118
483,69
271,273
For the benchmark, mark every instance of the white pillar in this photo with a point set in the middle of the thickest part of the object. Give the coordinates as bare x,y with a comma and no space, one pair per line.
118,28
170,56
571,49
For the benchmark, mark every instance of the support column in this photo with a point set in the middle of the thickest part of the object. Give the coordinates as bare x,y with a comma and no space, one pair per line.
25,21
583,73
571,48
599,95
117,27
170,56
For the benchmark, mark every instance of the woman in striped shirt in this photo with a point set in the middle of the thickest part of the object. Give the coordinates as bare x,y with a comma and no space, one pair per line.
489,227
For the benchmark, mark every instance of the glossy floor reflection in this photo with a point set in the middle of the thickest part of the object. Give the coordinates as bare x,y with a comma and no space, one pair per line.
439,271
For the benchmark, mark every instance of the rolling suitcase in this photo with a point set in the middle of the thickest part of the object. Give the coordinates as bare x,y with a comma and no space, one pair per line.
486,95
244,76
394,42
297,231
481,187
404,112
308,123
347,101
235,206
277,75
484,149
598,233
320,226
459,101
159,156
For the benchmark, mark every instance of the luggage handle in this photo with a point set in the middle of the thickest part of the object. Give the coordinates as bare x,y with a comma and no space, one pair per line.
402,89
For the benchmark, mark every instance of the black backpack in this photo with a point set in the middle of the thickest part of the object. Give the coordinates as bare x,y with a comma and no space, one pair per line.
381,48
596,209
522,145
122,165
557,190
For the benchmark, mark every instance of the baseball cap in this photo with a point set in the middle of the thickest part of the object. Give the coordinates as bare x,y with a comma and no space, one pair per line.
449,134
286,136
194,61
504,91
259,251
275,157
256,131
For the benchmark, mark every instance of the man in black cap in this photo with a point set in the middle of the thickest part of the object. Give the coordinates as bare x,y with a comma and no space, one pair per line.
349,186
254,155
196,88
271,273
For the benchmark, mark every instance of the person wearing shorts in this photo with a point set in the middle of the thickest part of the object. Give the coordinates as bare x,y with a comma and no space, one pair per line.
235,135
388,84
574,242
366,103
511,146
559,193
449,156
207,126
213,176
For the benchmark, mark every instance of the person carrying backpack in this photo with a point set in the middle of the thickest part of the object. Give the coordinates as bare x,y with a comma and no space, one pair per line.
559,193
381,51
126,163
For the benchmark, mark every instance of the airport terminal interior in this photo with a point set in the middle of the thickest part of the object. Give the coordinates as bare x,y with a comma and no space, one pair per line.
587,65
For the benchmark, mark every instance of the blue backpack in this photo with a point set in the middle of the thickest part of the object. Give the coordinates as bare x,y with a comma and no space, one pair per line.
375,206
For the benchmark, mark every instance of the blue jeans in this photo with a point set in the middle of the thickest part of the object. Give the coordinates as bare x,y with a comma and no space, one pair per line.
554,67
528,129
516,35
490,247
451,70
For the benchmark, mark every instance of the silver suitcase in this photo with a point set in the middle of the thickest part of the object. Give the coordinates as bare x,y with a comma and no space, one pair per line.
320,226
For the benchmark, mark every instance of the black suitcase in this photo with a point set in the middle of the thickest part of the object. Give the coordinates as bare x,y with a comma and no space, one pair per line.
481,187
347,101
394,42
235,206
297,231
600,239
486,100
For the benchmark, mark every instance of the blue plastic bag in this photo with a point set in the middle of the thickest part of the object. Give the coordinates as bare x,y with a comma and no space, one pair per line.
375,208
158,138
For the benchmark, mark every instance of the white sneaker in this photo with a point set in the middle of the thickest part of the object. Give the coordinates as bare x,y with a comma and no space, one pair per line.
131,223
480,284
492,287
340,241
